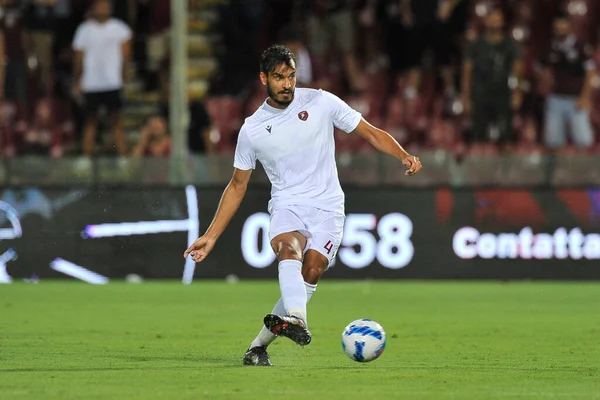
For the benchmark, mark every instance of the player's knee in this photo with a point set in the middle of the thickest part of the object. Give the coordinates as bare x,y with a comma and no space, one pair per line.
288,250
312,271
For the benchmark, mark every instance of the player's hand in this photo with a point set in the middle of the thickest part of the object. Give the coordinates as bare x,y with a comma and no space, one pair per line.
200,249
413,164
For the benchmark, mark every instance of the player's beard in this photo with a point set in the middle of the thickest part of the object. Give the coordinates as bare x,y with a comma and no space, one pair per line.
276,99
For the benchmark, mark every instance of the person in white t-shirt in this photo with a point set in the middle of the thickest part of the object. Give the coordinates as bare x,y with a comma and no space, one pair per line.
102,47
291,134
290,37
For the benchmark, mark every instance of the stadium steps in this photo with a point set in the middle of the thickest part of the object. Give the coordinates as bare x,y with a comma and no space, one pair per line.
139,105
203,45
205,4
201,68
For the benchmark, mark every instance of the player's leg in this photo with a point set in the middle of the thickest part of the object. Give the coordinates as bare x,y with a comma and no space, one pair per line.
265,337
320,253
289,244
257,352
289,248
313,267
326,231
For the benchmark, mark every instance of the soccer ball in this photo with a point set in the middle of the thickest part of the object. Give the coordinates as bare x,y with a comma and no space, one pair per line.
363,340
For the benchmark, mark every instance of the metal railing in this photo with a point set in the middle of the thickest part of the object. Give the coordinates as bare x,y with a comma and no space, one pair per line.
365,170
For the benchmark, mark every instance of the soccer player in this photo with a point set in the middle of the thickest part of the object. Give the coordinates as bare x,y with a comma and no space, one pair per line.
291,134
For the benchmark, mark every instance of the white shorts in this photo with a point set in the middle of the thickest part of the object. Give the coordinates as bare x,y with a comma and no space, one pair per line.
322,229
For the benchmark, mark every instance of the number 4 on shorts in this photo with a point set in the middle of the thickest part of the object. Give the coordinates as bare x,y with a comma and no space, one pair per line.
328,246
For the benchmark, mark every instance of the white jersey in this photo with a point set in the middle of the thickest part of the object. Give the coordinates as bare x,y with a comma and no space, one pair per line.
101,44
296,147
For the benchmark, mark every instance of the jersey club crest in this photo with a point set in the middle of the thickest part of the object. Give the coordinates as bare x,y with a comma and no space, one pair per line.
303,115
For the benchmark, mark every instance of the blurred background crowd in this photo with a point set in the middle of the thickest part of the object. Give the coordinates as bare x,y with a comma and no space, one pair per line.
87,77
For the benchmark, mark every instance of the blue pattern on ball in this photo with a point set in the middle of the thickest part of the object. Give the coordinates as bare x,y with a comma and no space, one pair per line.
364,331
358,351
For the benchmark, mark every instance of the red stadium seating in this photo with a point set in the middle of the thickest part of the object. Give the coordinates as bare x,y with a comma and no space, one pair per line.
226,114
13,123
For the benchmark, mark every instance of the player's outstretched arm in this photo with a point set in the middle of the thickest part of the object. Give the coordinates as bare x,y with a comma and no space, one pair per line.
385,143
230,202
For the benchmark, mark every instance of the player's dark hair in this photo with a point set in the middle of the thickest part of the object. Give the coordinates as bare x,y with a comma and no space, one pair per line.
274,56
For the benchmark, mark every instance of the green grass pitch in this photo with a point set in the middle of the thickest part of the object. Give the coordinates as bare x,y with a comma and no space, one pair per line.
164,340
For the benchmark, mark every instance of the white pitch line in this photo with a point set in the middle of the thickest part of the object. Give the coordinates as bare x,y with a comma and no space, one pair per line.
135,228
77,271
193,232
191,225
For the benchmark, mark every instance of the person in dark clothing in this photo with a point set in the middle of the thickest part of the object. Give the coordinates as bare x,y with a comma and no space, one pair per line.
435,25
41,24
569,67
15,53
332,31
491,72
199,129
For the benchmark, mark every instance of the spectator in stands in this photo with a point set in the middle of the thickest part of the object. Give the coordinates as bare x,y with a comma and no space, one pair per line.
13,122
154,140
491,72
64,25
389,19
432,24
141,27
62,54
331,31
15,52
569,68
159,35
44,135
291,38
102,48
41,23
240,24
199,131
2,64
125,10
